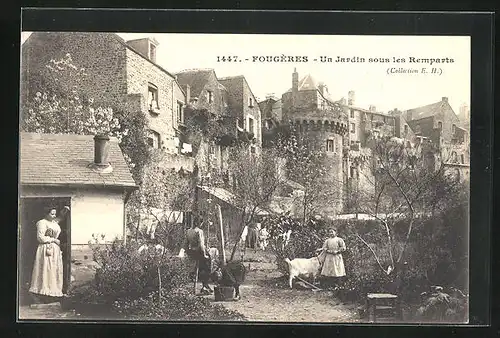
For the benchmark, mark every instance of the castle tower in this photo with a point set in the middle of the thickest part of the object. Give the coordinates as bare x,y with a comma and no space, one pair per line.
321,121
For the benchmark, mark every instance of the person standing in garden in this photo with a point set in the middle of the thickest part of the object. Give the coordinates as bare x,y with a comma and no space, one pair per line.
47,275
331,258
197,253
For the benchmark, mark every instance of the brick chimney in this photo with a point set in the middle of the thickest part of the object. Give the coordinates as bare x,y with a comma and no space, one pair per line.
351,98
295,85
187,89
372,108
101,150
295,80
146,47
444,99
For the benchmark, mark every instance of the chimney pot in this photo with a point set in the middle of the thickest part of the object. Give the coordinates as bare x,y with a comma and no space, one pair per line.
101,150
350,98
188,94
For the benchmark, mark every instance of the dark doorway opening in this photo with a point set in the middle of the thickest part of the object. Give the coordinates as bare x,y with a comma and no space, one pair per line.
31,210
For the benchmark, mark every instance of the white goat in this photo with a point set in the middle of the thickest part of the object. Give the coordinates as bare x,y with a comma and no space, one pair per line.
303,267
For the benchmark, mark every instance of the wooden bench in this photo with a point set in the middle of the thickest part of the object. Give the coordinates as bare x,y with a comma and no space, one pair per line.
383,306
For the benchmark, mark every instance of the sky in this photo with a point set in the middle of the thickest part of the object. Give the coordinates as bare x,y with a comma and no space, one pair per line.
369,80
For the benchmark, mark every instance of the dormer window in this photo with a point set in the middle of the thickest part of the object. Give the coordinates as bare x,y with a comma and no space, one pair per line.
210,96
152,52
153,139
153,99
250,102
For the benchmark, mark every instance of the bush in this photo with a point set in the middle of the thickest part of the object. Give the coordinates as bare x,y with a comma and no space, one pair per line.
436,253
126,273
176,305
443,306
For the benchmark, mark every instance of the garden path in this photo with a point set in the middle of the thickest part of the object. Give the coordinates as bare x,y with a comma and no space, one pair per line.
266,297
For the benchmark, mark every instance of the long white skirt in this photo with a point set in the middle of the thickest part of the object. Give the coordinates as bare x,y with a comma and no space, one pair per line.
333,265
47,276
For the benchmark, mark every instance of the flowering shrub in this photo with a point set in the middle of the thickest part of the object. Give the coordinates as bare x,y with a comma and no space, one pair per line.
59,107
176,305
127,273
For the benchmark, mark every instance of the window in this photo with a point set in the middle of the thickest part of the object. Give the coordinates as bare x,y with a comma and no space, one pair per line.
152,52
252,150
330,146
180,116
352,113
457,174
454,129
211,149
353,128
454,157
153,98
250,102
406,129
440,125
251,125
153,139
210,96
462,158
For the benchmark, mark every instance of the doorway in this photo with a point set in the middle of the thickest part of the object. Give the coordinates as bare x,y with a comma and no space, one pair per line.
31,210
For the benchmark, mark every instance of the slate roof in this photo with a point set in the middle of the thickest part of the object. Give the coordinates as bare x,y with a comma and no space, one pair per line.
308,82
228,197
195,78
57,159
426,111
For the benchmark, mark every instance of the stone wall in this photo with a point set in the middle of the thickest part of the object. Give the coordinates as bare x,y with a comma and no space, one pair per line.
116,77
102,55
143,74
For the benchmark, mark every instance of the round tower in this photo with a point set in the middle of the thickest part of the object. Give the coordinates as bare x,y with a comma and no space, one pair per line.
324,124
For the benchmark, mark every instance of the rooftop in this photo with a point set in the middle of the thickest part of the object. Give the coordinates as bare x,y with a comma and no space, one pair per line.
427,110
195,78
64,159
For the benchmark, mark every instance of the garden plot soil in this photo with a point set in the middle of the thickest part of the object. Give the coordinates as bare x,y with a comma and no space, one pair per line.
265,296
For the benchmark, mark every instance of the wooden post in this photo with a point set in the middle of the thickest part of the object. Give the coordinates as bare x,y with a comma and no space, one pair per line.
196,270
221,228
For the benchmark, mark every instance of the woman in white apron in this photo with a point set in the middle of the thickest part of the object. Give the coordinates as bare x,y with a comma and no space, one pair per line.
331,257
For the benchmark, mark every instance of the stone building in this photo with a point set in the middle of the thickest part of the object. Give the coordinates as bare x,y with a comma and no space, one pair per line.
123,75
309,108
230,102
438,123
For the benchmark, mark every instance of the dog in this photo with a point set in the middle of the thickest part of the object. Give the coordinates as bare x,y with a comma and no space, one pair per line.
232,274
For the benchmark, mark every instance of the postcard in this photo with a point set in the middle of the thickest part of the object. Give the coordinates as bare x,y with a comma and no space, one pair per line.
244,177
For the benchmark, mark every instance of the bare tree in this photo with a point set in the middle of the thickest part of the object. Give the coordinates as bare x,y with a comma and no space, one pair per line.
400,181
307,164
255,182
